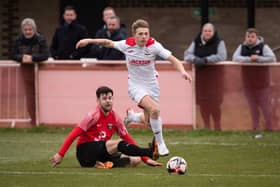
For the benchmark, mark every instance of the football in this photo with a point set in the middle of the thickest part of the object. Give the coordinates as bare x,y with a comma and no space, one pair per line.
177,165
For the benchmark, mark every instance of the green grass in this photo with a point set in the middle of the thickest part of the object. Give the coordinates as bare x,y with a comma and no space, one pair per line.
228,159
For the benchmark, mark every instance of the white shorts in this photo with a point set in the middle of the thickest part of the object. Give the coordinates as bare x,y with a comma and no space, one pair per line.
136,91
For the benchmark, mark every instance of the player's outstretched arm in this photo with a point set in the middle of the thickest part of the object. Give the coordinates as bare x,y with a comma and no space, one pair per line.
153,163
179,66
101,42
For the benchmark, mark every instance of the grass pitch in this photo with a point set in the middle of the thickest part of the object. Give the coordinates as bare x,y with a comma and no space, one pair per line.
215,159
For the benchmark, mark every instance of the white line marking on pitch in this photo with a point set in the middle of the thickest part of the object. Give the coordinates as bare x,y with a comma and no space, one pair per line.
171,143
138,174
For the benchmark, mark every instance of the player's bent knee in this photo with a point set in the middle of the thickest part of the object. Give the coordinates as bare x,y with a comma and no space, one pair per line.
155,113
112,146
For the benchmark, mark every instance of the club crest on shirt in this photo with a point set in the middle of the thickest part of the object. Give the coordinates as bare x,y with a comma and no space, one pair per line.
110,126
146,52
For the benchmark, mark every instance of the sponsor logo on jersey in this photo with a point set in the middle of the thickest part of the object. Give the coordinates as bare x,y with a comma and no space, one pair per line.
139,62
130,51
110,126
146,52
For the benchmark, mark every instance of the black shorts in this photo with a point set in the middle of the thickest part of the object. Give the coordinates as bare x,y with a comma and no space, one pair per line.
90,152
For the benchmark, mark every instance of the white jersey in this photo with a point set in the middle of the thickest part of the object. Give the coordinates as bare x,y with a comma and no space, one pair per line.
140,61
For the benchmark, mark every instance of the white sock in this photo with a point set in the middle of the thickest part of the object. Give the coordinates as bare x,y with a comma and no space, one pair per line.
156,125
135,117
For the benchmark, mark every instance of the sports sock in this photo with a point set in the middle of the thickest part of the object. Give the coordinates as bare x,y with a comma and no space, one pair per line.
156,125
135,117
133,150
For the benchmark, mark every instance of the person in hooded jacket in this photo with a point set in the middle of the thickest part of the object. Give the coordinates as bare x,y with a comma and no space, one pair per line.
208,48
256,79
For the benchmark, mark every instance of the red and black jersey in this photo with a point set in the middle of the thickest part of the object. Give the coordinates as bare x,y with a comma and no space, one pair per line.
97,126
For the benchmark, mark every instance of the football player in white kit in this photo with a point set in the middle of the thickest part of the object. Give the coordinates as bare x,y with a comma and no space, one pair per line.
141,51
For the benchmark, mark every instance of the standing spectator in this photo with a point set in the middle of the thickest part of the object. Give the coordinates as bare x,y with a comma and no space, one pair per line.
114,33
108,12
67,35
28,48
208,48
255,78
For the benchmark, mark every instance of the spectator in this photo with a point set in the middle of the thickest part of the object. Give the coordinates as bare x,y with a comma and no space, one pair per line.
67,35
208,48
28,48
112,32
108,13
256,79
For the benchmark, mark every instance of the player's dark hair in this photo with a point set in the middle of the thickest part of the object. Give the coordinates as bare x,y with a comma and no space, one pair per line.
103,90
69,7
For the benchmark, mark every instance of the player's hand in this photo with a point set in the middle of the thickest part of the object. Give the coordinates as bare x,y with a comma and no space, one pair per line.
56,159
82,43
187,76
153,163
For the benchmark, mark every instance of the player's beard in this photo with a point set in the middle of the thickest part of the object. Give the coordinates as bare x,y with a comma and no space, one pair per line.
106,109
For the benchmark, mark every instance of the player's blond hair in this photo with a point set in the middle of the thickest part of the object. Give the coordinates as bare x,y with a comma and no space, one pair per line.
140,23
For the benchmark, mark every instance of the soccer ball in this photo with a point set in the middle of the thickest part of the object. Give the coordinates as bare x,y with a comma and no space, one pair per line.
176,165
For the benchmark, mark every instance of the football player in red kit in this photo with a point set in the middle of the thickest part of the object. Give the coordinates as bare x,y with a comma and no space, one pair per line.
94,134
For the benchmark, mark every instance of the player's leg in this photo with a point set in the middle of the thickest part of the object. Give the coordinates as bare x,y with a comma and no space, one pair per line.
114,146
122,160
132,116
152,110
87,153
136,117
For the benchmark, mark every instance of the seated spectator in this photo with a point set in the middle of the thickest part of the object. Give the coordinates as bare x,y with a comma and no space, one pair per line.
207,48
256,79
112,32
29,47
67,35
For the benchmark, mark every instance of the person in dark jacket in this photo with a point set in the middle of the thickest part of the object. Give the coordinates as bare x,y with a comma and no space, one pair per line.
67,35
208,48
256,79
113,32
29,47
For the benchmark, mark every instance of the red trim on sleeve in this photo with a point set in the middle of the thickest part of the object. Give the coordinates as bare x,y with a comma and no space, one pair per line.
76,131
144,159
